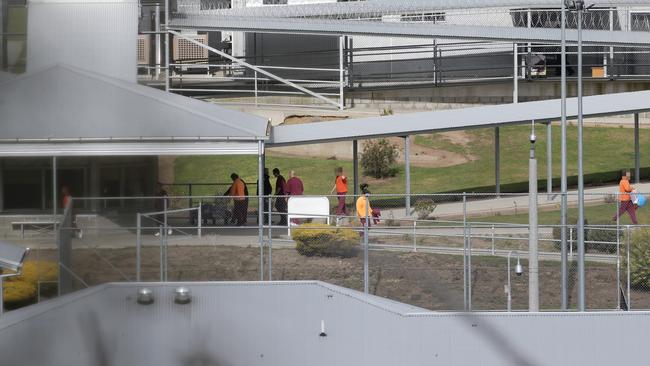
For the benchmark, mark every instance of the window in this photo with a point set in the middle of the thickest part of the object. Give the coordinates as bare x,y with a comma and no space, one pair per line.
640,22
437,17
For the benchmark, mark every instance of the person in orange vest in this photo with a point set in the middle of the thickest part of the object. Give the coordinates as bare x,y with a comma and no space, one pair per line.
238,193
362,203
341,187
626,204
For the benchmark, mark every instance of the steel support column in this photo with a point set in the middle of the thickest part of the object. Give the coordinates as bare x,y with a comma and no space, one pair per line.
260,203
157,48
407,173
549,159
637,148
515,74
355,167
497,161
581,193
563,174
533,266
54,188
341,73
167,68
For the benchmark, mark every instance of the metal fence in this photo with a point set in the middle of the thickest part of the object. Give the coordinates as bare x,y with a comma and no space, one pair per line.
449,252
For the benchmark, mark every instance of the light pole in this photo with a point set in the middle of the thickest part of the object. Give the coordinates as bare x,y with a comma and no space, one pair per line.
533,260
563,175
519,270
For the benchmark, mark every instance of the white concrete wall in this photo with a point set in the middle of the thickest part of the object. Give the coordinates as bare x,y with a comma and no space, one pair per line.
96,35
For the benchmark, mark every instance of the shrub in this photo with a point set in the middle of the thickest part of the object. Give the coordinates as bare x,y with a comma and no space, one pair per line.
574,234
639,259
378,159
318,240
603,235
424,207
22,290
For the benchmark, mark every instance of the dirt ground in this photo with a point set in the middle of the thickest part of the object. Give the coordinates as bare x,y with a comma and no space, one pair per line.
430,281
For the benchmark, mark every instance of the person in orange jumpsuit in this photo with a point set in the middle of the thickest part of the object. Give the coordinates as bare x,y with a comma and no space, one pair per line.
626,204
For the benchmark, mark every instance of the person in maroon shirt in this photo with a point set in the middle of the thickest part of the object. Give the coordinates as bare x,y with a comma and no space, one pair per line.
294,187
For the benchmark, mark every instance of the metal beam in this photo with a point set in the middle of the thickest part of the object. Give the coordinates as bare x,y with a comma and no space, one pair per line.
414,30
260,204
497,161
637,147
549,159
563,175
255,68
407,173
355,167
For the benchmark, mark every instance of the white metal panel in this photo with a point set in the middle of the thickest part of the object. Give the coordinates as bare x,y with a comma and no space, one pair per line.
95,35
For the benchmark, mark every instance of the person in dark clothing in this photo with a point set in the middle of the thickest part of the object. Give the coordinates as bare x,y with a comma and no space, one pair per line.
268,191
280,192
161,204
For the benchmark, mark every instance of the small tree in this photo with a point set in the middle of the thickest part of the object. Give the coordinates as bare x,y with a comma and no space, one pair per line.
378,159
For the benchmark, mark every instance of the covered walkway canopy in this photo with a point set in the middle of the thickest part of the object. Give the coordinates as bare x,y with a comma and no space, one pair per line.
458,119
65,111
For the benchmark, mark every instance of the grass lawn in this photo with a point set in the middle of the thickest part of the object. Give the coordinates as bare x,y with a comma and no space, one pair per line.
593,214
605,149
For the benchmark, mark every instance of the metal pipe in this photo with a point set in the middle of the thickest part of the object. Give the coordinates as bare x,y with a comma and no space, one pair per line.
563,174
618,255
157,40
260,203
465,307
138,246
497,162
515,74
533,255
167,69
355,167
629,299
54,189
161,235
341,73
581,192
270,238
637,147
365,248
469,267
407,173
549,160
199,216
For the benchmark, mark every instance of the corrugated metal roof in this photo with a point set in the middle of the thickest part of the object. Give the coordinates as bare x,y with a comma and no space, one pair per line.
66,104
457,119
447,31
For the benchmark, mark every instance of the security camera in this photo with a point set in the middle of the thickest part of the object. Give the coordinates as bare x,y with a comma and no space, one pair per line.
519,269
532,138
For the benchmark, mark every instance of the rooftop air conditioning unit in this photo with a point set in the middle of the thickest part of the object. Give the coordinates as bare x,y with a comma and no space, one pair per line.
144,44
186,50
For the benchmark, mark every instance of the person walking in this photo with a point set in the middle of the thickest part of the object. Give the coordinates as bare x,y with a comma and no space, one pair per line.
280,199
626,204
341,188
294,188
237,192
363,207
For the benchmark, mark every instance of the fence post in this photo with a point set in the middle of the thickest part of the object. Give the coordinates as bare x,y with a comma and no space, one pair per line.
270,238
189,193
493,241
255,88
469,267
465,251
138,243
365,248
618,259
415,240
161,233
629,299
571,242
199,215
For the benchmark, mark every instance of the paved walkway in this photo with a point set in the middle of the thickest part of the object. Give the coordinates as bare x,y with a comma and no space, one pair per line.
515,204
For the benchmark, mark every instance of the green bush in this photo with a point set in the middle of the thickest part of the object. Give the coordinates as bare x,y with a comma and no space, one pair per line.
574,235
378,159
23,290
603,235
639,259
424,207
322,241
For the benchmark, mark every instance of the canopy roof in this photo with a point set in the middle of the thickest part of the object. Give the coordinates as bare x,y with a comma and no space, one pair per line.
458,119
63,110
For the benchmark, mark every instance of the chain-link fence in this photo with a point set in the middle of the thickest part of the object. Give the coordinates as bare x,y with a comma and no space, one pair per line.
447,252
